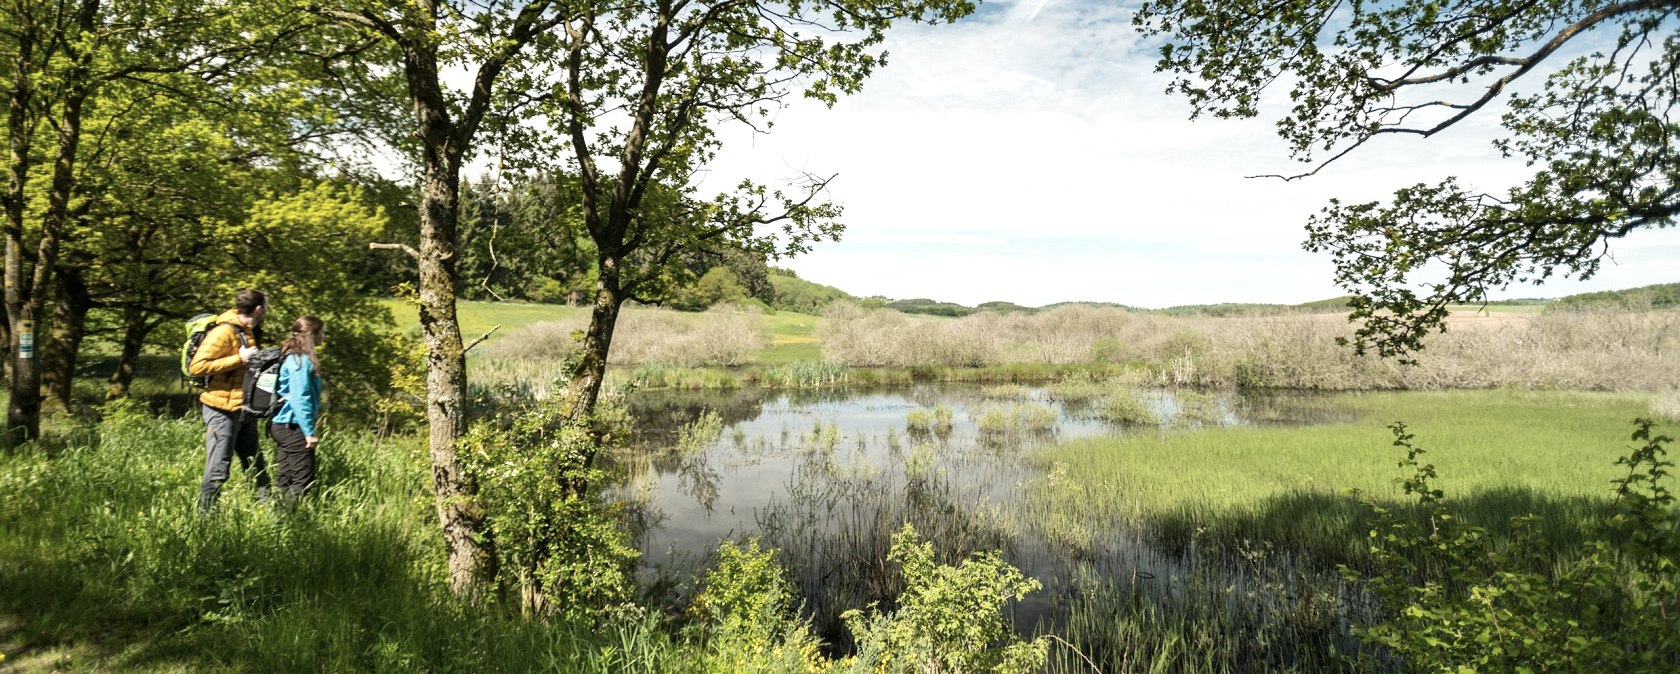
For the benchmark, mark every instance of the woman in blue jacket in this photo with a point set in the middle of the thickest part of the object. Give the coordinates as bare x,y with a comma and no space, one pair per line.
295,427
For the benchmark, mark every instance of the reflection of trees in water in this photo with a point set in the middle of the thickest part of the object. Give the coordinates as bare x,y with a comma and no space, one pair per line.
660,414
638,465
962,491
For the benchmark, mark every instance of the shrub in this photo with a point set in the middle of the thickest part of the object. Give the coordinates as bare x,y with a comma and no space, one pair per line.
1450,599
725,335
750,610
548,291
949,618
943,419
1582,349
558,542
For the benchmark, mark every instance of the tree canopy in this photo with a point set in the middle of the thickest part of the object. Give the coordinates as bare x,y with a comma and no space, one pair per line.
1588,90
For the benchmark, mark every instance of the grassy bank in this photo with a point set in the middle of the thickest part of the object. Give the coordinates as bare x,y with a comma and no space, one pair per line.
104,566
1499,453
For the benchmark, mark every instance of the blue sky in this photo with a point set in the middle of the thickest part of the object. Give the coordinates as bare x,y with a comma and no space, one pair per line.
1028,154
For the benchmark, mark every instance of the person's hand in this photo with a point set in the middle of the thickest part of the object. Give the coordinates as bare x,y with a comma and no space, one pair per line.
246,352
311,441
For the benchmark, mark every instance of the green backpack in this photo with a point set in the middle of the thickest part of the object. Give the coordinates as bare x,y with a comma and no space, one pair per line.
197,327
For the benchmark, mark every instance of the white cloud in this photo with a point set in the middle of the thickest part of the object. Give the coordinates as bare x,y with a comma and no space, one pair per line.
1028,154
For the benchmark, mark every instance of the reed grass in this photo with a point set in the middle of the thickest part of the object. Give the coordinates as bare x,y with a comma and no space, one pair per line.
1569,349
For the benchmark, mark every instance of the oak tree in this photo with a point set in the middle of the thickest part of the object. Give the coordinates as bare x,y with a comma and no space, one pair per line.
1589,89
645,86
490,41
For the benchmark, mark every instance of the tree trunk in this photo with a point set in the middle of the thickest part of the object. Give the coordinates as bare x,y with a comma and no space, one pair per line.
446,383
585,389
135,330
23,414
19,101
5,342
471,562
63,348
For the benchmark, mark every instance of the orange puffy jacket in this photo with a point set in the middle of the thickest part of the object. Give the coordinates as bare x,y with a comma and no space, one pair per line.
218,357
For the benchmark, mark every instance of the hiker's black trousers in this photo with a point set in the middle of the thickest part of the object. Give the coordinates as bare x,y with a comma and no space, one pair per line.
295,460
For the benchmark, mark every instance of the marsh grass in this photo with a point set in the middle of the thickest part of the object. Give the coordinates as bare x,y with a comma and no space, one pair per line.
1580,350
1289,618
721,336
834,527
1121,406
1501,453
1014,417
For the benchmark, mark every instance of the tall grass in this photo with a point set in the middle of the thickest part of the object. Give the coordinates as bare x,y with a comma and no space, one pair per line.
1583,349
721,336
105,564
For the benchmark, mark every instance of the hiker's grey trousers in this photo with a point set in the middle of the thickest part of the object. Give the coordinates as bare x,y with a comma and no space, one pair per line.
225,435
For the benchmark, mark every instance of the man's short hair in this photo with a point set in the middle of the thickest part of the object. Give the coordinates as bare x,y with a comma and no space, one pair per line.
247,301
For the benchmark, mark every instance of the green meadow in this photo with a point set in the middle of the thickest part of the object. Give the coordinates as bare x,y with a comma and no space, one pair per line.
1500,454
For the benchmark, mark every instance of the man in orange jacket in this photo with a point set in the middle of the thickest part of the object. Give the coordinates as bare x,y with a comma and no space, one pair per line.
227,429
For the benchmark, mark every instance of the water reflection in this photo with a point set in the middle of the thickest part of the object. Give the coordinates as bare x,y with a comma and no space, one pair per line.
828,476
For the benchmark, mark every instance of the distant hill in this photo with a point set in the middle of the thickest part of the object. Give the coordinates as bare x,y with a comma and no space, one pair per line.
1223,309
797,294
1664,295
1099,305
922,305
1329,305
1004,308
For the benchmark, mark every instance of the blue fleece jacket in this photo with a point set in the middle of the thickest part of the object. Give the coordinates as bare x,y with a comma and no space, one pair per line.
301,387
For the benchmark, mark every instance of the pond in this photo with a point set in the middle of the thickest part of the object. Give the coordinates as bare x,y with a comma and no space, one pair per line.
827,476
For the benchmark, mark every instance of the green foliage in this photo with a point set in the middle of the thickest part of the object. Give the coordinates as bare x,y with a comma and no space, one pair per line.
1014,417
521,239
796,294
1111,350
750,609
105,567
1643,298
296,246
803,374
943,419
747,591
1450,599
929,307
1592,121
1004,308
919,420
949,618
718,285
558,541
938,420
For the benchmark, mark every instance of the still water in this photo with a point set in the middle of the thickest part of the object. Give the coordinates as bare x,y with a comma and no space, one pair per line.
828,476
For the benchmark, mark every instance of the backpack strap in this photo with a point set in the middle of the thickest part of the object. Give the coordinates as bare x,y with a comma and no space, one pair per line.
240,334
